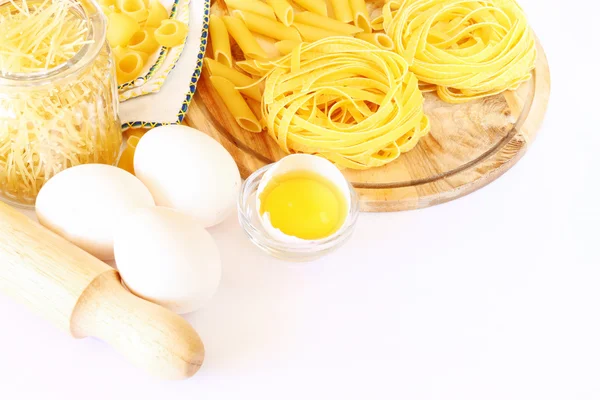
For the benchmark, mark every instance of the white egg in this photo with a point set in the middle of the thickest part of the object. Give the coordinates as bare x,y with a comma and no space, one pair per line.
187,170
84,203
168,258
294,163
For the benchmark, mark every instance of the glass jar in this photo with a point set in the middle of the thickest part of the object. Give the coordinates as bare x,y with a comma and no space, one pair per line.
60,117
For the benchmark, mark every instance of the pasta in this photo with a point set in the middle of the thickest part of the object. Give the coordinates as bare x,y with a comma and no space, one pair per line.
379,39
220,41
157,13
361,15
121,29
286,46
51,123
467,49
236,104
251,67
243,37
120,52
136,9
129,66
312,19
377,23
312,33
353,103
246,85
267,27
144,41
126,159
283,10
171,33
316,6
342,10
253,6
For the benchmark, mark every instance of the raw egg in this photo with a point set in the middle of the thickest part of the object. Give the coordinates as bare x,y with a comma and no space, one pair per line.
187,170
168,258
303,198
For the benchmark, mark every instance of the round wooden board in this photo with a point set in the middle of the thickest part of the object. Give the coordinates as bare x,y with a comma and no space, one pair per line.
470,145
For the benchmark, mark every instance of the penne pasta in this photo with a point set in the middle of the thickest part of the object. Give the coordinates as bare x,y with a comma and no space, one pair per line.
250,67
312,19
283,10
219,38
378,39
266,27
253,6
244,38
285,47
312,33
246,85
342,10
316,6
377,23
361,15
236,104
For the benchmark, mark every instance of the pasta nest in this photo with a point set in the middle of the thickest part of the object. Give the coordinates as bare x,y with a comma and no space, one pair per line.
463,49
346,100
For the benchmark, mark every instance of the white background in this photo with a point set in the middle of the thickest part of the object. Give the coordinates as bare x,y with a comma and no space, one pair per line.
493,296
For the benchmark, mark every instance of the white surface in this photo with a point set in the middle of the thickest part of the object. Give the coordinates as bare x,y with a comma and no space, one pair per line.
491,297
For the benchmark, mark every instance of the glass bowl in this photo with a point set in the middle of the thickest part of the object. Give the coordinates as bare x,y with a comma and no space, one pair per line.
297,252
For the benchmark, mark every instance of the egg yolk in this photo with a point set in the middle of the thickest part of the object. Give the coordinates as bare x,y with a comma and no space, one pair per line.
304,204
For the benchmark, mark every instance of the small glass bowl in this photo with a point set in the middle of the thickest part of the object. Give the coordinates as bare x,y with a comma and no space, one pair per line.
297,252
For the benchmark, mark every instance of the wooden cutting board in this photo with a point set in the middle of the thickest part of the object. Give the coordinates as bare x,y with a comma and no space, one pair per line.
470,145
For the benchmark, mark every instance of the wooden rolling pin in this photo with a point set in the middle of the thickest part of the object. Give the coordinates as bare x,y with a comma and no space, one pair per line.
84,296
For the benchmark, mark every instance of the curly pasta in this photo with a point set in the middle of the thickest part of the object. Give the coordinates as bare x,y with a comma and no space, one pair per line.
345,100
463,49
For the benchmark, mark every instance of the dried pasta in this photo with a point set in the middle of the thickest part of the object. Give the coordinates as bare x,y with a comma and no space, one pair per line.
243,37
48,125
353,103
342,10
317,6
283,10
144,41
467,49
220,41
157,13
253,6
251,67
379,39
312,33
136,9
246,85
236,104
333,25
286,46
129,66
267,27
171,33
121,29
361,15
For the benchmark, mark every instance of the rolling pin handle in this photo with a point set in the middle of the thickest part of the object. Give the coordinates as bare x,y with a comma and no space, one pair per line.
148,335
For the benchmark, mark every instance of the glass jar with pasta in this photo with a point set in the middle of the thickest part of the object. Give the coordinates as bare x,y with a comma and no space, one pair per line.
58,95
